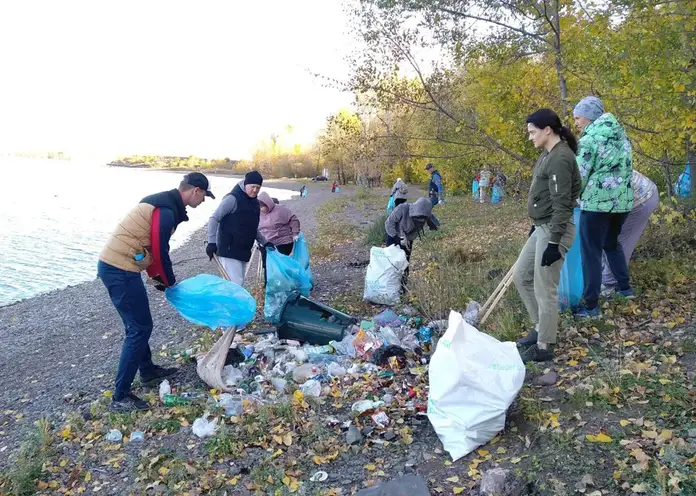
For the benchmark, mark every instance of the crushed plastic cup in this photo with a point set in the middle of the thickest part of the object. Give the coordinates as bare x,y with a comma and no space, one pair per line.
299,355
471,314
317,350
345,346
114,436
164,389
311,388
305,372
381,419
336,370
203,428
363,406
137,437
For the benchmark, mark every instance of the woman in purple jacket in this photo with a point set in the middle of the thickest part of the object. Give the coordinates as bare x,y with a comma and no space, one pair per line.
278,226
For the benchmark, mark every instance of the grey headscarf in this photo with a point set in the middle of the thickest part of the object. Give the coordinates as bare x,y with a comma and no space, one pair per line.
590,107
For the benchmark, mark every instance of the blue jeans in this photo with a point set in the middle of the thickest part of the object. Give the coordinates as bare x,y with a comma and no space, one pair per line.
599,231
127,293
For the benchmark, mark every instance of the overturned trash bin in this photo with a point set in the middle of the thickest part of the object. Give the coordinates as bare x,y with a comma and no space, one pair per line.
306,320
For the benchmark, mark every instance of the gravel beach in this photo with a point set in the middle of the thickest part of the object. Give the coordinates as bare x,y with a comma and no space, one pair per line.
67,342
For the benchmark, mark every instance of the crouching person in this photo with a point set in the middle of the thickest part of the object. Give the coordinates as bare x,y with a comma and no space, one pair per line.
404,225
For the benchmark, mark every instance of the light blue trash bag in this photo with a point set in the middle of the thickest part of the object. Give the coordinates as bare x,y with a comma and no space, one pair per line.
475,190
285,275
212,302
391,204
570,287
682,188
300,253
497,196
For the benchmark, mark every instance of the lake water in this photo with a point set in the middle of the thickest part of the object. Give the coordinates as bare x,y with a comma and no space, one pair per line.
55,217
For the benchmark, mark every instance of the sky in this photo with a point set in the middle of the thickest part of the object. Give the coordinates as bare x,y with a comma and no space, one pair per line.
205,78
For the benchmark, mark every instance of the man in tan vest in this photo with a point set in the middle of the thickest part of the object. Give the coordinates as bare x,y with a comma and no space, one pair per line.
141,242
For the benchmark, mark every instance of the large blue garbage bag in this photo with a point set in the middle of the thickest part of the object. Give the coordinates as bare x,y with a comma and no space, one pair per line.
391,204
300,253
498,193
682,188
212,302
571,285
475,190
285,275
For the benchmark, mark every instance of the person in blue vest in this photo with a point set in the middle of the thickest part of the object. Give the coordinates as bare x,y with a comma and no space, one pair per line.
233,228
435,186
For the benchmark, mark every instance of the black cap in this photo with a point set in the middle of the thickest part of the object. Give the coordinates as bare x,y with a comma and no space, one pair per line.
429,166
253,177
199,181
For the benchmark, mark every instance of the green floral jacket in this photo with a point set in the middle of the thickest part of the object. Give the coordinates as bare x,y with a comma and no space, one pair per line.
605,159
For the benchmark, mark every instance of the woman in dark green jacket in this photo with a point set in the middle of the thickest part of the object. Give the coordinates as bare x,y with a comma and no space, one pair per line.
552,196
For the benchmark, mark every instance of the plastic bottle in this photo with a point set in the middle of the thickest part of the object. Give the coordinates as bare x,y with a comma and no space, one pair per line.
174,400
164,389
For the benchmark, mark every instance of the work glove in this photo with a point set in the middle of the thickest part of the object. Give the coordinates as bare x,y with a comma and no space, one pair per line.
160,287
269,246
210,250
531,231
441,201
403,242
295,238
551,255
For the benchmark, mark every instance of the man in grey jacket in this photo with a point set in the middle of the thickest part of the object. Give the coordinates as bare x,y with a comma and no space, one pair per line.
233,228
399,192
404,225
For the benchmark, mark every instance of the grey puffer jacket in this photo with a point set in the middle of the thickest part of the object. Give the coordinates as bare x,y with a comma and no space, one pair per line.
408,219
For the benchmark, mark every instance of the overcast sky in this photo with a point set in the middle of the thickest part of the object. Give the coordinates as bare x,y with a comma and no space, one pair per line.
208,78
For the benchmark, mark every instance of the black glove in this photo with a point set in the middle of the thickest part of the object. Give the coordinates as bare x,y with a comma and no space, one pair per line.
210,250
160,287
269,246
551,255
531,231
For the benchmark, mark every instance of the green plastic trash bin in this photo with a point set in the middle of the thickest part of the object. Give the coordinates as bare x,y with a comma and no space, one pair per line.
308,321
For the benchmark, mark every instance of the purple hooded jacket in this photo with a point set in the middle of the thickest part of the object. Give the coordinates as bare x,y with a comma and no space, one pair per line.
279,225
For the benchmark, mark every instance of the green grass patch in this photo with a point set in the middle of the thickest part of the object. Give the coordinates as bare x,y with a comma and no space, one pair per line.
34,451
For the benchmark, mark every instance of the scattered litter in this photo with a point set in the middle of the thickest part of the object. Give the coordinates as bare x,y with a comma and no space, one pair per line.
311,388
320,476
345,346
381,419
231,375
114,436
471,315
387,318
305,372
336,370
363,406
279,384
203,428
233,405
164,389
137,436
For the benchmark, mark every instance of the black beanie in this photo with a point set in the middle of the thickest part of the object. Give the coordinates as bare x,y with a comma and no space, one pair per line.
253,177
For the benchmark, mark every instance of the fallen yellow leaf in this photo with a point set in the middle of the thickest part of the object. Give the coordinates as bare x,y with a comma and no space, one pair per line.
515,460
453,479
624,423
287,439
370,467
483,452
599,438
457,490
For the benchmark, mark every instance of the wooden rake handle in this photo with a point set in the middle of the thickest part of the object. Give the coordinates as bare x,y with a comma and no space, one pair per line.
497,295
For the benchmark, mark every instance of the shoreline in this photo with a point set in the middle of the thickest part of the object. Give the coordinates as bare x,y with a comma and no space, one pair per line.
62,346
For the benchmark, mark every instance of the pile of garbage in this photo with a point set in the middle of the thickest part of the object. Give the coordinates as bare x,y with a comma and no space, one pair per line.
393,352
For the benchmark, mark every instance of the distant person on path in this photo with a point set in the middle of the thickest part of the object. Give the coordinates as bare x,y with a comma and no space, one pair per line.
399,192
552,196
303,191
484,183
233,228
141,242
499,181
404,225
278,225
645,201
605,159
435,188
334,186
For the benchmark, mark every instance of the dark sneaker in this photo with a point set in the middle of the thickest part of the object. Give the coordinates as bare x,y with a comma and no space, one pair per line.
535,354
626,293
130,403
529,340
587,313
159,373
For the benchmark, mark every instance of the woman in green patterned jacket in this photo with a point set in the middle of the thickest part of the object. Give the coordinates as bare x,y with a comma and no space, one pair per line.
605,159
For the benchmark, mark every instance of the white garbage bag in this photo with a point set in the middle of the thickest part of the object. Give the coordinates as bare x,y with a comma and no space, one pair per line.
383,277
474,378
